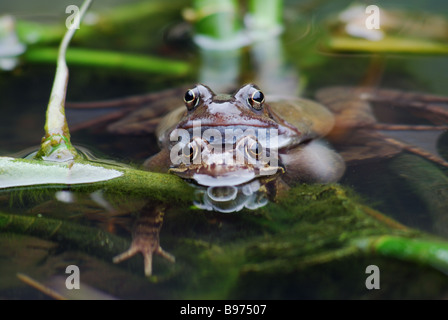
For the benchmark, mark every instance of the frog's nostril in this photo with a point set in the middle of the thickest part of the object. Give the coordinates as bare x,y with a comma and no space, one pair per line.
222,194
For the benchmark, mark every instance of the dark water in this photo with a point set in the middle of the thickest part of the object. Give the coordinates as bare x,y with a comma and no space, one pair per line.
380,183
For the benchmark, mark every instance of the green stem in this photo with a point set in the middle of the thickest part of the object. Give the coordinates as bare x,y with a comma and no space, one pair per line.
89,176
266,14
108,59
421,251
32,33
56,145
38,33
217,19
388,44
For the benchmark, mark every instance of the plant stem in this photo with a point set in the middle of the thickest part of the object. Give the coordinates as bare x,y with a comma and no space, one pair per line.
56,145
426,252
388,44
143,184
33,33
109,59
217,19
265,14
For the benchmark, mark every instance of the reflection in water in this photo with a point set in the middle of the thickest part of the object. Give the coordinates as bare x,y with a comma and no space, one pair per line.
228,199
10,45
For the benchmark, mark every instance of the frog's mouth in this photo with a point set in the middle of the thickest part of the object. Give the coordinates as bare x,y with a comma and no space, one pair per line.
211,163
277,138
228,176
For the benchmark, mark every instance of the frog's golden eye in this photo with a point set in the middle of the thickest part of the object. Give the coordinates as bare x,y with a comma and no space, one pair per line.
253,149
191,99
256,100
189,152
249,150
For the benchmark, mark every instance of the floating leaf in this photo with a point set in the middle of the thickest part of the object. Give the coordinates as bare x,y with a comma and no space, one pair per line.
16,173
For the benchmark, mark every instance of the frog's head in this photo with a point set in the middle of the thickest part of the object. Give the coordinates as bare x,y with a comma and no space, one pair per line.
226,139
209,163
245,108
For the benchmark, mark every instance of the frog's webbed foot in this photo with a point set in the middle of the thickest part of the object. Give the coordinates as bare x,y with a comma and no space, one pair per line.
147,250
145,239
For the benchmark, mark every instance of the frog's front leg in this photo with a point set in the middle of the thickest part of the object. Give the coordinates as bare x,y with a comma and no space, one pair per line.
312,162
145,238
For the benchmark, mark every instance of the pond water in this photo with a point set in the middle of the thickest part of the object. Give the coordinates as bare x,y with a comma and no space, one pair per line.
220,256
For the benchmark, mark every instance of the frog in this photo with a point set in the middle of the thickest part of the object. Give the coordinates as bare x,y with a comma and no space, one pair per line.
357,134
232,146
344,116
245,124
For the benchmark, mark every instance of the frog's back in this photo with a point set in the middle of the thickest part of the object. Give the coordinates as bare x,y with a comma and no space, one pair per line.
168,123
310,118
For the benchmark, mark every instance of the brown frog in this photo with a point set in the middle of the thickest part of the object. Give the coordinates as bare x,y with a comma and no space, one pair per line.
220,139
205,155
232,146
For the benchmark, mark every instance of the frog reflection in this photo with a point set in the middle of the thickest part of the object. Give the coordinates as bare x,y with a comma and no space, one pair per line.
227,199
237,149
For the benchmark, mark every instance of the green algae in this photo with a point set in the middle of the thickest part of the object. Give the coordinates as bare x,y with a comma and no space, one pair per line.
428,183
314,242
73,235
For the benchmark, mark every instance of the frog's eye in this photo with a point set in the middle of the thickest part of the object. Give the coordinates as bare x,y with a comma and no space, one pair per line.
191,99
256,100
249,149
190,152
253,149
